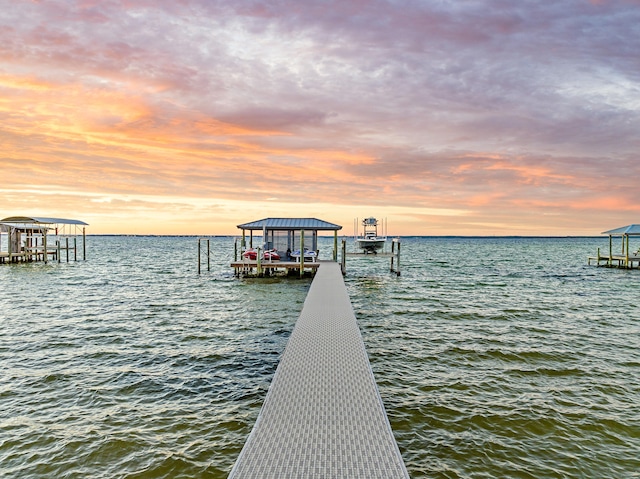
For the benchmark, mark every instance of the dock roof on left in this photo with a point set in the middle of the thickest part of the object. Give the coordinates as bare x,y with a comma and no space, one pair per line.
42,221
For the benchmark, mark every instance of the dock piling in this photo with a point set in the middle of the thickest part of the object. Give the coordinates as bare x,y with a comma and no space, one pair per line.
259,260
301,253
207,243
395,255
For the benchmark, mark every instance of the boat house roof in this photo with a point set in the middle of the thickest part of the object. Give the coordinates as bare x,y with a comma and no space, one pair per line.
24,220
290,224
629,230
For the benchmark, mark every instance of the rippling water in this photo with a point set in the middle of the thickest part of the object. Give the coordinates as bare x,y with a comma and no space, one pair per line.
503,357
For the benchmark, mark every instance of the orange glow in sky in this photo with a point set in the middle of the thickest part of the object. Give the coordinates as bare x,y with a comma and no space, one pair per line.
445,118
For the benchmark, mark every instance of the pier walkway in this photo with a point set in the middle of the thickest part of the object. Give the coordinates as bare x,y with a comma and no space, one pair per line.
323,416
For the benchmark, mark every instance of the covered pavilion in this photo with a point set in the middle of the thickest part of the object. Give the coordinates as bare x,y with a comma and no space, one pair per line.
289,234
28,238
293,239
626,258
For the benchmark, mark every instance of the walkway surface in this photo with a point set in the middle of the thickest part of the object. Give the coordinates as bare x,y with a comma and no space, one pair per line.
322,416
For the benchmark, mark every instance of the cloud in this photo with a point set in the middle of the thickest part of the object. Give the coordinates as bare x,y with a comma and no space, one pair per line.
483,107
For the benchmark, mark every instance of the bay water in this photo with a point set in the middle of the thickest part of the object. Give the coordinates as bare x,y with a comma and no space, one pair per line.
494,357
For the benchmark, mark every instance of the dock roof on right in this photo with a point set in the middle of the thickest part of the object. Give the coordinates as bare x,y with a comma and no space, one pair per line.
630,230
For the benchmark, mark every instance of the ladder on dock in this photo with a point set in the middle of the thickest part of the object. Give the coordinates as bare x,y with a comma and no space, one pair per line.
322,416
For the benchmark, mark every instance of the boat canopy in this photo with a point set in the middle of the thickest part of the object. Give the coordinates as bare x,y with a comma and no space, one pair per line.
629,230
24,220
290,224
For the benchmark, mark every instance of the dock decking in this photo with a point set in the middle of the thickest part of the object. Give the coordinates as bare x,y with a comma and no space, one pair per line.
616,261
323,416
249,267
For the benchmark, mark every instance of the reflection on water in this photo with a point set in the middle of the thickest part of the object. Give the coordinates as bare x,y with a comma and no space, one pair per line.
494,358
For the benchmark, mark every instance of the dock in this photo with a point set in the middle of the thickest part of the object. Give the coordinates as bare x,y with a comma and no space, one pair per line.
629,261
33,239
295,240
323,416
627,258
252,267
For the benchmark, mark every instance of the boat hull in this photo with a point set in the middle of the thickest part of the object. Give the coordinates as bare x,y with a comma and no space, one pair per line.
370,245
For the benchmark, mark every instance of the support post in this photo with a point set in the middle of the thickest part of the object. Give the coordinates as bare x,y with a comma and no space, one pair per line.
610,262
301,253
259,261
58,250
67,248
395,254
44,244
626,263
75,249
84,244
335,246
199,255
208,254
343,264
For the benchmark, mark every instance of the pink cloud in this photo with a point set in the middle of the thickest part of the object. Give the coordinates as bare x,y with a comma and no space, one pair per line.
488,107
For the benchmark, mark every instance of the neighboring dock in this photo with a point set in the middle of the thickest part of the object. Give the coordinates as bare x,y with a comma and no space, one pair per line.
626,258
31,239
323,416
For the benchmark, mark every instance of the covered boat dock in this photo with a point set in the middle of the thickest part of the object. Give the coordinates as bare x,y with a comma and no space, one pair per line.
30,239
286,244
627,258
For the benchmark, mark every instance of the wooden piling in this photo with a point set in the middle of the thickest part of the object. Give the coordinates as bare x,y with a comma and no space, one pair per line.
208,244
395,255
301,253
259,261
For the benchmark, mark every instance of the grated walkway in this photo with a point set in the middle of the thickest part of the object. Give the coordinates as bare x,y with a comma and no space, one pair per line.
322,416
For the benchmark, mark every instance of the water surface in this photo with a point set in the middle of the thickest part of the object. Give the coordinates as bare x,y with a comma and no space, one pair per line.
495,357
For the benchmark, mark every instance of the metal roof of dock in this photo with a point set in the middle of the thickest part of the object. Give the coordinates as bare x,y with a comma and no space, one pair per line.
290,224
39,220
630,230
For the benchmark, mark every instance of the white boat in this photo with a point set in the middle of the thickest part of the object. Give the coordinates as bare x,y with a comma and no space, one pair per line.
309,255
370,242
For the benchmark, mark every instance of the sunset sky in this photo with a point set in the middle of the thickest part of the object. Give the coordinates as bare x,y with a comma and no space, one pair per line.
460,117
